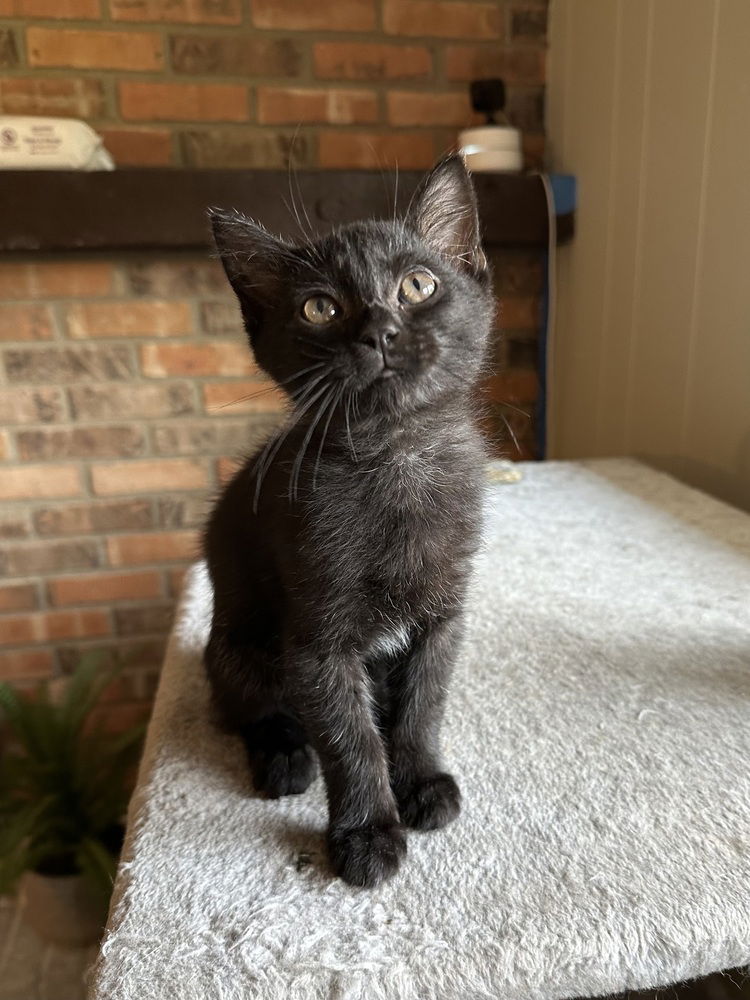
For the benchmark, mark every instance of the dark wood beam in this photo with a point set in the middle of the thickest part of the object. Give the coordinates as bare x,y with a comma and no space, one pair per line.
166,209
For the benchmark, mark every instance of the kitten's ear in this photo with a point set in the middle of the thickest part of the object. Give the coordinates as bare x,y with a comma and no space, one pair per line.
444,213
253,260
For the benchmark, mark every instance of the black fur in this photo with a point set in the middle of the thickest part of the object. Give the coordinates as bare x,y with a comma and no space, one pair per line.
339,554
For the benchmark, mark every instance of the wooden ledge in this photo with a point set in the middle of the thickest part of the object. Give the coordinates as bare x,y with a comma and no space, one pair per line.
166,208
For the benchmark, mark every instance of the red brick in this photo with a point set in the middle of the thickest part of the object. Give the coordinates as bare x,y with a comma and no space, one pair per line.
14,523
187,511
53,625
43,557
529,24
23,664
217,358
516,313
60,278
18,597
129,50
188,11
442,18
243,397
81,9
76,97
280,105
176,580
235,55
94,518
221,317
15,280
322,15
150,618
525,107
226,468
102,588
67,364
134,147
371,61
166,546
25,323
129,319
9,49
212,436
515,66
38,481
27,406
247,147
55,279
147,476
176,278
135,656
208,102
113,401
410,150
408,107
126,441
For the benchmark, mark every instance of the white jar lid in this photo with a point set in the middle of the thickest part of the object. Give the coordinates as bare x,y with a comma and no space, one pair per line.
493,160
491,137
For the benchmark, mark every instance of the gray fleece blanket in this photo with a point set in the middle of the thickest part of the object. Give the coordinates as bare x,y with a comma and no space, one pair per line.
599,725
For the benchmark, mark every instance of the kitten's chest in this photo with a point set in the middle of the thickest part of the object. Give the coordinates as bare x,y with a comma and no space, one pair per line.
403,531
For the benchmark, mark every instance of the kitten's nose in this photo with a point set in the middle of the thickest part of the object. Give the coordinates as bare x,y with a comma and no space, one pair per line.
379,338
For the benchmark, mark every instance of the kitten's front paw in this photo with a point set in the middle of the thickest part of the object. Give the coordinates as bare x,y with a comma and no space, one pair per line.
281,772
430,803
366,855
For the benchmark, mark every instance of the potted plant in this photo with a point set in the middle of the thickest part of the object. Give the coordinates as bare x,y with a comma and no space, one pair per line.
63,795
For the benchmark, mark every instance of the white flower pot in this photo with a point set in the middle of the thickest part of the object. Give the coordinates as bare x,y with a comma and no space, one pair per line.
62,909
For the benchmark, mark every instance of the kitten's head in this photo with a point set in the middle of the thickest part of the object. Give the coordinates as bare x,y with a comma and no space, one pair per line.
397,312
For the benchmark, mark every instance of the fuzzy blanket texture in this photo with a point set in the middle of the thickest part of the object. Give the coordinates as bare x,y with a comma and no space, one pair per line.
599,726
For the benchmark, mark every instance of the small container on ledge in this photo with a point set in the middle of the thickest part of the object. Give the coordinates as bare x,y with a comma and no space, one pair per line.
495,146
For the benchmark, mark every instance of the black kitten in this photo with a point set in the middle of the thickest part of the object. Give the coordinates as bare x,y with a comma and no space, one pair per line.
339,554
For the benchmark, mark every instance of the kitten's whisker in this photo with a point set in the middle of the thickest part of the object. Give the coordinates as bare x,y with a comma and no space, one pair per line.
511,431
395,194
298,400
320,347
292,209
268,454
325,360
269,388
295,175
349,399
511,406
336,402
294,475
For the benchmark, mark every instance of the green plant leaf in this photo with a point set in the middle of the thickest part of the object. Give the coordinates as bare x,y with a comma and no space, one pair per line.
99,866
85,688
63,782
16,839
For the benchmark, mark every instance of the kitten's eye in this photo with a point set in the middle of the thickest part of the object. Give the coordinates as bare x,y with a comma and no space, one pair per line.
320,309
416,287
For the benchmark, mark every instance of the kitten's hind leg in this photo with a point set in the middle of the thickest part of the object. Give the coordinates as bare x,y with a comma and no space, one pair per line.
281,759
242,681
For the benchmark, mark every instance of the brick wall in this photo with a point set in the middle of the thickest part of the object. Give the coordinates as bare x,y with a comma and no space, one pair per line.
211,83
117,401
124,380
